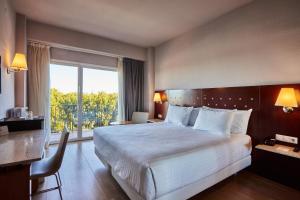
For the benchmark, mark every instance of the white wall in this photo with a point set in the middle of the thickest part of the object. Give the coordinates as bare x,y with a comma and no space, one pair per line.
7,47
82,41
254,45
21,47
149,82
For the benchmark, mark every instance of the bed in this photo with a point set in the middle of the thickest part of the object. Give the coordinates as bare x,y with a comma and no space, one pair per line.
165,161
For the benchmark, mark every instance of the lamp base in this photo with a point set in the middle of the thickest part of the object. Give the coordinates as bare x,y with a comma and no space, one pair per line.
287,109
9,71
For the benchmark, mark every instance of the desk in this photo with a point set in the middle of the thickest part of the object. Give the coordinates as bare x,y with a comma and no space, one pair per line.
121,123
21,124
17,151
131,122
154,120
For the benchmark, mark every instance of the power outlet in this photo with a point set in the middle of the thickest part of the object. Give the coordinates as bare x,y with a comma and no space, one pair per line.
285,138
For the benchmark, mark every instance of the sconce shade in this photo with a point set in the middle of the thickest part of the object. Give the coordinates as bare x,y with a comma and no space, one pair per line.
19,63
287,98
157,97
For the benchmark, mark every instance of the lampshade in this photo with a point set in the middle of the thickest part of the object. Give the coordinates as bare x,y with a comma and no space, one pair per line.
19,63
157,97
287,98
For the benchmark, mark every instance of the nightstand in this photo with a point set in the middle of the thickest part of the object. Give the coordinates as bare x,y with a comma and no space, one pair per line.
279,163
280,149
120,123
154,120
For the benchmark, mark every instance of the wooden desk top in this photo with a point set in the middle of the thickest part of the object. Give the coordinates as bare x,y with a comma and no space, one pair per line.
22,147
154,120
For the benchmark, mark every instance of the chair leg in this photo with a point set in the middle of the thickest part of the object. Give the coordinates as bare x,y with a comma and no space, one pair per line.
58,185
59,178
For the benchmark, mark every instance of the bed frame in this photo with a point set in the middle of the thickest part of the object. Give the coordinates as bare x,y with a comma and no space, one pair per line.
188,190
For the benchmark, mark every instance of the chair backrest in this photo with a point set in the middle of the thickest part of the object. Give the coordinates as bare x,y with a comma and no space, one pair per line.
59,155
140,117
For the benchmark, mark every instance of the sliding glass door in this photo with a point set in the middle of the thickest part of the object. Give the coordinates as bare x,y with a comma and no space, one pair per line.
99,98
82,98
63,99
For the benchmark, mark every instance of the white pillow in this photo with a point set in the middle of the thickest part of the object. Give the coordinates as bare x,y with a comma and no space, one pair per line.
178,115
193,116
240,119
216,122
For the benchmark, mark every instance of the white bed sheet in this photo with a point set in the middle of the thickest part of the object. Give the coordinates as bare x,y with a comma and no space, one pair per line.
158,158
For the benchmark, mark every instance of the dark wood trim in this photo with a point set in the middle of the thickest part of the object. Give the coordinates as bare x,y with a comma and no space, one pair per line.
19,124
14,182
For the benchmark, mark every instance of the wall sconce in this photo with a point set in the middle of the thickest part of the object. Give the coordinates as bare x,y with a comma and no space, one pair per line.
19,63
287,99
157,98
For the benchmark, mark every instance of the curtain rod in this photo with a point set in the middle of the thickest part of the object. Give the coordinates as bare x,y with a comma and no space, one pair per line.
38,43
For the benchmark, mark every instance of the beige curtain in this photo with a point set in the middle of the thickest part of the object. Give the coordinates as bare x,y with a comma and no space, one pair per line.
39,83
121,101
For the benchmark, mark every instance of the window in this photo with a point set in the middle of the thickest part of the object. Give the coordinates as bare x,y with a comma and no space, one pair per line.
81,99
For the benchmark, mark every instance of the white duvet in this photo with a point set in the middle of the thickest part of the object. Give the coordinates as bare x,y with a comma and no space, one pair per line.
157,158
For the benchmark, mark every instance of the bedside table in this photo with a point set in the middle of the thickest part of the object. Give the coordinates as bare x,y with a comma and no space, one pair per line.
154,120
279,163
280,149
120,123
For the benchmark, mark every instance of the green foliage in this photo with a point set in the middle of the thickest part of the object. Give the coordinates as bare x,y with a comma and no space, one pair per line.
98,109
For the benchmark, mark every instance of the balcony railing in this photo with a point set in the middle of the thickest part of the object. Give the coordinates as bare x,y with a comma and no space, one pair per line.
92,116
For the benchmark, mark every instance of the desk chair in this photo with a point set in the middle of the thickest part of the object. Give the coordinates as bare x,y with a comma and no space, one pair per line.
139,117
50,166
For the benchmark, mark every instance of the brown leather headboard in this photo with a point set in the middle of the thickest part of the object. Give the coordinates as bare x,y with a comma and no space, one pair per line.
266,119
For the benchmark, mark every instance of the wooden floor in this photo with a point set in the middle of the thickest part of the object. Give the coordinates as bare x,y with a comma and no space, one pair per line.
85,178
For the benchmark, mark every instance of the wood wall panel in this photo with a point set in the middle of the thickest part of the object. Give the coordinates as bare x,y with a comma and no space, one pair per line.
242,98
266,119
232,98
185,97
273,120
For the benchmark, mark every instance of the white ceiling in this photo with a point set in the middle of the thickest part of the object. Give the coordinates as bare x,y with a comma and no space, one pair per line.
141,22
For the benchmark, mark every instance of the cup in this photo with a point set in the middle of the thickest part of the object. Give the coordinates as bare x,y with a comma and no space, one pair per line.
30,115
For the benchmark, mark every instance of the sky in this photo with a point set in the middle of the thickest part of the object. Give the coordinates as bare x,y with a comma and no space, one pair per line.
64,78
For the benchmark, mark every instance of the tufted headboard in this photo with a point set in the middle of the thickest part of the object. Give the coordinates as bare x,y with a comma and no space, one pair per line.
266,119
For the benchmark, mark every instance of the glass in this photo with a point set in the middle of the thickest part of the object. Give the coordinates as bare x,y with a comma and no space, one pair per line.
99,98
29,115
63,100
81,99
